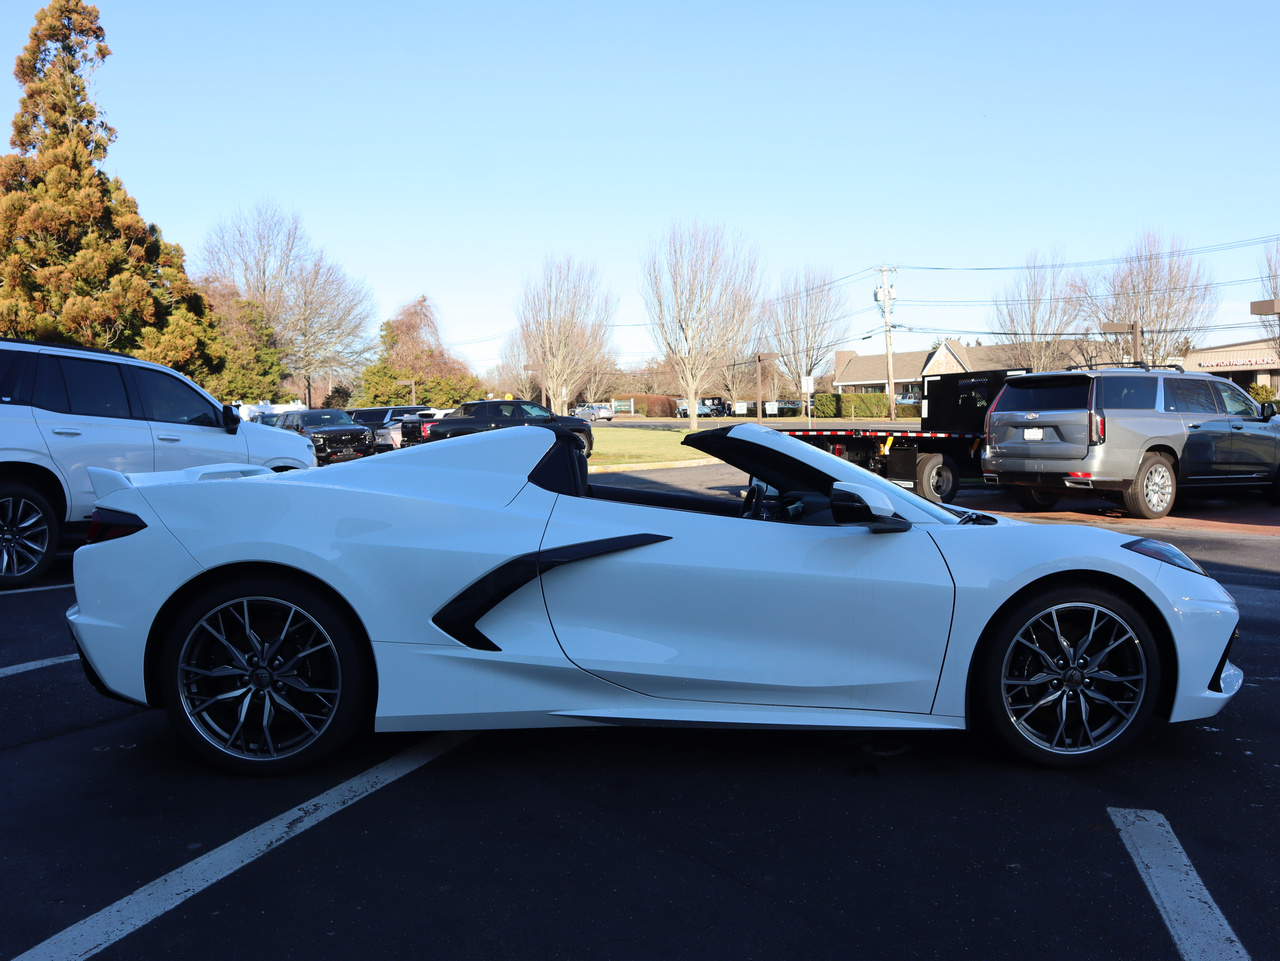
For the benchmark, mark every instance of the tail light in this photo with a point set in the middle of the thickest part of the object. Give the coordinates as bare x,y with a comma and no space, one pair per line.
986,422
107,525
1097,427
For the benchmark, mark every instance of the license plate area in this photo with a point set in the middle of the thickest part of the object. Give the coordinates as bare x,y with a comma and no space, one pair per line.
1033,433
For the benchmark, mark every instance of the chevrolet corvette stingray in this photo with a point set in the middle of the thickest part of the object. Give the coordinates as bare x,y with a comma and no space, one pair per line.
488,581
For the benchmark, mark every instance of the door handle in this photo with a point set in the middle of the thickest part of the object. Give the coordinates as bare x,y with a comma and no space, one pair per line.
67,431
1237,426
1194,426
171,438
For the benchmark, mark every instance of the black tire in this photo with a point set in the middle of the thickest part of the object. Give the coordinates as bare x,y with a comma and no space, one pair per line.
28,535
1154,488
1062,711
937,478
280,653
586,443
1032,499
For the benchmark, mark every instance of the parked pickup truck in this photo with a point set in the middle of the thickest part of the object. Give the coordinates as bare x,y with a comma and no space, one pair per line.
480,415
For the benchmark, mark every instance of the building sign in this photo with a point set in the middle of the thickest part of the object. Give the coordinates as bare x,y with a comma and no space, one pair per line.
740,408
1241,362
771,408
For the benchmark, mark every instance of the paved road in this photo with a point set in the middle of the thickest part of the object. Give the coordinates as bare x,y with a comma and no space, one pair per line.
607,843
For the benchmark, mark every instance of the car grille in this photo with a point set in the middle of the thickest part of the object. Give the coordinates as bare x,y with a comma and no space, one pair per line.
351,438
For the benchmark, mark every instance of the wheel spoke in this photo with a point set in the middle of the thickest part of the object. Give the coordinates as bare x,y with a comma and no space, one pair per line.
1099,696
291,665
204,705
294,711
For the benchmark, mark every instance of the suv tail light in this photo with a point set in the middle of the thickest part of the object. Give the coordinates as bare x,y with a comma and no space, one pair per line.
1097,427
107,525
986,422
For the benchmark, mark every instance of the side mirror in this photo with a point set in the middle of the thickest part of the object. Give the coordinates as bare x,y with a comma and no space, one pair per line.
1268,410
230,419
863,506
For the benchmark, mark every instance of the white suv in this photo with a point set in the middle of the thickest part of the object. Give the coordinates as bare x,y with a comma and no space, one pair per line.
66,409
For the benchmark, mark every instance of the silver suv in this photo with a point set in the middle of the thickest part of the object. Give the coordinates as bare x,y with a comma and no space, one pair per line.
66,409
1138,432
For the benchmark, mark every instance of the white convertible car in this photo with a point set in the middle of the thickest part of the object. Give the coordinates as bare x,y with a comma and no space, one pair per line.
485,582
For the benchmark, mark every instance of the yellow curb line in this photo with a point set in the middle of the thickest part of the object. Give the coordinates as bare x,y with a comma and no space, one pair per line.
618,468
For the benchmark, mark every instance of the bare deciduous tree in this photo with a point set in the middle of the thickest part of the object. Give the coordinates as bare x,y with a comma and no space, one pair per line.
1038,321
564,320
702,296
320,316
803,325
602,377
1166,292
510,376
1271,288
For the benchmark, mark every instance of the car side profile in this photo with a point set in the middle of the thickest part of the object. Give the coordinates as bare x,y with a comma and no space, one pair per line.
1139,434
64,410
274,615
482,415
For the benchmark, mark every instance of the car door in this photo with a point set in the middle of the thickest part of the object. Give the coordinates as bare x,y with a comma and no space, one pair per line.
728,609
185,426
87,419
1206,457
1253,440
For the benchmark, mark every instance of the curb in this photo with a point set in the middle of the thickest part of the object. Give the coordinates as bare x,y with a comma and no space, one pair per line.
661,465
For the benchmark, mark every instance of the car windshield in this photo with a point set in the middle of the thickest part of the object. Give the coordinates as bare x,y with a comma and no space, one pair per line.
326,418
372,416
268,419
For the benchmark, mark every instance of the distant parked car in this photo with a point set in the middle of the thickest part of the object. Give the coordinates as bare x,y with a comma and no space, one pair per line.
481,415
594,412
265,419
385,422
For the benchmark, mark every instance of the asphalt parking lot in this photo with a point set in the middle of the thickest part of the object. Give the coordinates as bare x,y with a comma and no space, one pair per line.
644,843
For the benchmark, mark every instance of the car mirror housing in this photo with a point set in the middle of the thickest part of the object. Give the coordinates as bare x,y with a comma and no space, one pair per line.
862,506
230,418
1268,410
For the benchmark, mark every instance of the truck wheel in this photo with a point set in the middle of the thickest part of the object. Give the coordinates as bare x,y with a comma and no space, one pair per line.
28,535
586,443
1154,488
1030,499
937,478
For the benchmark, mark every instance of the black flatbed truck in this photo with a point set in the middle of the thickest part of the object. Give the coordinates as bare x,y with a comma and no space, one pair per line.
932,460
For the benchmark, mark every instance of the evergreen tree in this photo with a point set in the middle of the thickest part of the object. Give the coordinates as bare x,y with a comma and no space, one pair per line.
77,262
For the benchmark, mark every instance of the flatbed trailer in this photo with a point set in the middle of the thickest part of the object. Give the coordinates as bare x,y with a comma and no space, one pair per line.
932,460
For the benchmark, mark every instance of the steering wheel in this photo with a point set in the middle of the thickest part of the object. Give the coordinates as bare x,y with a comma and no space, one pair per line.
752,504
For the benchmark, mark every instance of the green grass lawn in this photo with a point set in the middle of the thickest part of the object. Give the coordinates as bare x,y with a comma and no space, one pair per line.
634,445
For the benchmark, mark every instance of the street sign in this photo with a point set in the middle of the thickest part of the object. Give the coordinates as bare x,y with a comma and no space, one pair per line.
1117,328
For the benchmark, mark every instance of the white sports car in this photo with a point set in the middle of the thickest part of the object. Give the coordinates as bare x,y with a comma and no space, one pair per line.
483,582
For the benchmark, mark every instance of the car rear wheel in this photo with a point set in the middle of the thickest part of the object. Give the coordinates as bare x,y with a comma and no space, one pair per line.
1069,678
263,677
1031,499
586,443
28,535
1154,488
937,478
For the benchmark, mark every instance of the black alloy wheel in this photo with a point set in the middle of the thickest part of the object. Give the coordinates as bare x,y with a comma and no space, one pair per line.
28,535
1069,678
265,677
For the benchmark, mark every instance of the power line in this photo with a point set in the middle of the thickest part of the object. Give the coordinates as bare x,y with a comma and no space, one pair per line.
1113,261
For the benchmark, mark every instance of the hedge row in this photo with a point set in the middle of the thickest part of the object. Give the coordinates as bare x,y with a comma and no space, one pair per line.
650,405
848,406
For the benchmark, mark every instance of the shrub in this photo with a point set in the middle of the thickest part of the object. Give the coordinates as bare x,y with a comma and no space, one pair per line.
1262,393
651,405
826,405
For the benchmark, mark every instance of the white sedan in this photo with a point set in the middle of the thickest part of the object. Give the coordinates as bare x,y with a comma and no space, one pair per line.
483,582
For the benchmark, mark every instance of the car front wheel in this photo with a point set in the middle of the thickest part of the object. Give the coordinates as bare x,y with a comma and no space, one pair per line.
28,535
1069,678
264,677
1154,488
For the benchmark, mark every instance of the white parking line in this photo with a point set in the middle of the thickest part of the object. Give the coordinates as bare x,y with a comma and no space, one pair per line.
1199,930
127,915
28,590
36,665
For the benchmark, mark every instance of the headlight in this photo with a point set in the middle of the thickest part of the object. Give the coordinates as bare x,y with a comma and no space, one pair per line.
1164,552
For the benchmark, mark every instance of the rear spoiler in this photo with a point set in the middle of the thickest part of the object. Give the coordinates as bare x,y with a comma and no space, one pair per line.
108,481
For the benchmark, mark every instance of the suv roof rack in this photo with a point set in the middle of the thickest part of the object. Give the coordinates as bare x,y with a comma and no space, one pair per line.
50,343
1132,363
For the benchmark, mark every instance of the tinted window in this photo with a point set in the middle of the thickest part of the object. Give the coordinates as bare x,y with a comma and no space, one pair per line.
14,385
94,389
1125,393
1046,393
536,413
326,418
1188,396
466,410
373,417
173,401
1233,400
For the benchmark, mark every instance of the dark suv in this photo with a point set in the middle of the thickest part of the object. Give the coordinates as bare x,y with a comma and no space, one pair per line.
333,433
1138,432
481,415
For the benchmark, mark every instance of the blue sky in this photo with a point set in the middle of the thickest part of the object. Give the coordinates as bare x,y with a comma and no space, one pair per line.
447,149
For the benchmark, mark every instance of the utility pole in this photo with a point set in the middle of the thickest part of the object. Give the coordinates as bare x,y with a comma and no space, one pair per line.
885,296
760,360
